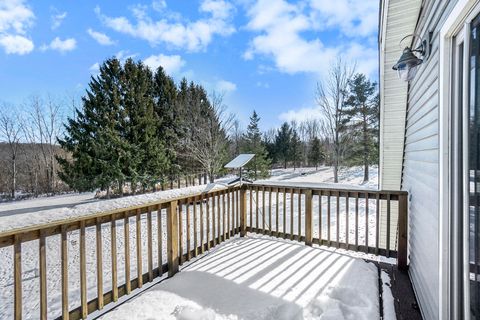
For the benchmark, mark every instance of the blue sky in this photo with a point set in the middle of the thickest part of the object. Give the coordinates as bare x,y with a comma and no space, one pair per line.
265,55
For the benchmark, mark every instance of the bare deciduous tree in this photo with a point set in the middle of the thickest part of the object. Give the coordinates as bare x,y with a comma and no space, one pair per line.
207,141
47,121
10,131
330,97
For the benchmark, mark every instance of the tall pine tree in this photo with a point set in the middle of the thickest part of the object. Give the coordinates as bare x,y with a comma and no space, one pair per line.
283,141
260,164
363,114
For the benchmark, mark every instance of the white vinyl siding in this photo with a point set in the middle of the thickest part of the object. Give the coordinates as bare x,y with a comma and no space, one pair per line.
420,174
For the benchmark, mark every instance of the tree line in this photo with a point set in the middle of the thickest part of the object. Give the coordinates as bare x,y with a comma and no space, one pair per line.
346,134
136,129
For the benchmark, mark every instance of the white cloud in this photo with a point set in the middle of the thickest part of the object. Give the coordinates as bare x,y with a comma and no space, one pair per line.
57,18
171,64
281,28
159,5
15,19
355,18
101,38
123,55
15,44
226,86
300,115
94,68
261,84
190,35
60,45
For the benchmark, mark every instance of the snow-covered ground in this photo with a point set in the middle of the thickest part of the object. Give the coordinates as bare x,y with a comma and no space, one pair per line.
263,278
347,177
45,203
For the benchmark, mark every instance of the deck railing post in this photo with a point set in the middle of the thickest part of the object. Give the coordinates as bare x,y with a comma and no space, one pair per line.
243,211
308,218
402,254
172,238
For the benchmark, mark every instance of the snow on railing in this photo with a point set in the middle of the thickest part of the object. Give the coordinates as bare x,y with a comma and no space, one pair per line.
144,243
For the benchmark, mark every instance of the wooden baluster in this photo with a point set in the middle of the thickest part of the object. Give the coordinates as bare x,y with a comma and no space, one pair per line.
250,191
366,221
188,229
219,216
237,194
256,209
284,213
377,222
243,212
43,275
17,276
328,219
263,210
235,224
402,255
388,225
270,211
160,240
202,232
172,239
126,237
347,226
208,221
195,227
299,214
224,229
83,272
64,254
113,233
99,241
214,229
356,221
308,218
149,245
337,219
229,213
320,212
180,232
139,249
276,211
291,214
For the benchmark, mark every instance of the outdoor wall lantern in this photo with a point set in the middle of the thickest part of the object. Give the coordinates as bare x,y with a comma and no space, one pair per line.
409,62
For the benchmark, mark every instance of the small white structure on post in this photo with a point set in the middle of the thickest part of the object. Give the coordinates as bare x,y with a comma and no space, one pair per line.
238,163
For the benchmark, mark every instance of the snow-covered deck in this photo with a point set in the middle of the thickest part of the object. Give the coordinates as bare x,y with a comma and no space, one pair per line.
259,277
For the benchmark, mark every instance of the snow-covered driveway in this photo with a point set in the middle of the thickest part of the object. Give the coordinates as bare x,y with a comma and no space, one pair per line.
263,278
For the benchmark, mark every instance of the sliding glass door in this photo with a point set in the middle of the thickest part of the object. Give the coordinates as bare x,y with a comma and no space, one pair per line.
473,174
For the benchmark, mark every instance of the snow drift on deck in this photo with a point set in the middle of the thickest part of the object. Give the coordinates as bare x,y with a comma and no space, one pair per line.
262,278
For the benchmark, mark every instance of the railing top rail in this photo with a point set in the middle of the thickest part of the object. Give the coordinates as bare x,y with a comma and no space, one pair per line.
317,187
102,214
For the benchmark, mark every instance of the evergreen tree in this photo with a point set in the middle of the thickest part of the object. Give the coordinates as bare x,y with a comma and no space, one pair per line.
295,148
148,160
282,144
93,137
260,164
170,114
363,114
316,155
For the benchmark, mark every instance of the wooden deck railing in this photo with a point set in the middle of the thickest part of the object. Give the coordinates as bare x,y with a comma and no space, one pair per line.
145,242
332,217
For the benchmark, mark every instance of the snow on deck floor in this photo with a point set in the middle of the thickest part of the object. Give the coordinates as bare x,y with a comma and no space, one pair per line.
262,278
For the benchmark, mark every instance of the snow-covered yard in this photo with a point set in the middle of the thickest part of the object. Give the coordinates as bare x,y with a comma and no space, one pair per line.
264,278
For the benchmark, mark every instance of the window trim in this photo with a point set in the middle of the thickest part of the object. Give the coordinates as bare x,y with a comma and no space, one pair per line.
458,21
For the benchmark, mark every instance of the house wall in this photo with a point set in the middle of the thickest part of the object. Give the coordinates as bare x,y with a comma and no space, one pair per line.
420,174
